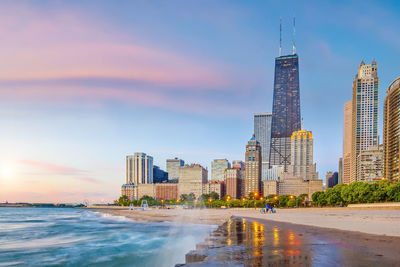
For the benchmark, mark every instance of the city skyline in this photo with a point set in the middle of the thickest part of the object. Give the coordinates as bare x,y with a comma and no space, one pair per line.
85,85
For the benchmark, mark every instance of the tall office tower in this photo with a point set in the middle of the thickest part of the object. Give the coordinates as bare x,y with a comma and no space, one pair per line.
365,112
191,179
333,180
218,167
370,164
159,176
391,132
139,169
238,164
253,167
233,183
347,137
285,109
340,172
302,162
327,176
262,132
173,166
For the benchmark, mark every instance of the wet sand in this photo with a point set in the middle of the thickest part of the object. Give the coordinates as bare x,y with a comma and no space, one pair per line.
371,221
261,242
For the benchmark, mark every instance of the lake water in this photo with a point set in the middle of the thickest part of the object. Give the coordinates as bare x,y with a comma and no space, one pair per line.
73,237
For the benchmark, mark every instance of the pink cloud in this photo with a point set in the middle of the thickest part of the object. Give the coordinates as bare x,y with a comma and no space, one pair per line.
56,169
59,45
50,167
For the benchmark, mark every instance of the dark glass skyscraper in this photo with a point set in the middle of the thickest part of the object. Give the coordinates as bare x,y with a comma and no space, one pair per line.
285,110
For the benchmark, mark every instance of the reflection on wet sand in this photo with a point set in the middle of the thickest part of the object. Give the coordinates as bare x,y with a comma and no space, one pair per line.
253,244
245,242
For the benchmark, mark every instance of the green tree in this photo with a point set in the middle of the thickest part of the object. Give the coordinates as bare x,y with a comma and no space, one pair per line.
191,197
394,192
123,201
235,203
214,195
292,202
283,200
332,197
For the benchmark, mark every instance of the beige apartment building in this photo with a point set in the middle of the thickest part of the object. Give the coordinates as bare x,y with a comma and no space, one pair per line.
391,132
347,137
253,167
302,161
191,179
292,186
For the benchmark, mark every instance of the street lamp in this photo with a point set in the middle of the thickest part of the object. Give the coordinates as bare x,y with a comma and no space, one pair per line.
209,201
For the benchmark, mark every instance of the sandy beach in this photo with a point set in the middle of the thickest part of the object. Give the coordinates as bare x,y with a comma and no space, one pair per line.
371,221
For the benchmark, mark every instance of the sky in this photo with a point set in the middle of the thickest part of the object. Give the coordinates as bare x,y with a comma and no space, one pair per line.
85,83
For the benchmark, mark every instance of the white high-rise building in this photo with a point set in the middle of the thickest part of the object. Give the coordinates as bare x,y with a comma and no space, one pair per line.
139,169
218,167
173,166
364,113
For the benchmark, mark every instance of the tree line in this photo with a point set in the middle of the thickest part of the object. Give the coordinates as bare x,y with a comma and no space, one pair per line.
358,192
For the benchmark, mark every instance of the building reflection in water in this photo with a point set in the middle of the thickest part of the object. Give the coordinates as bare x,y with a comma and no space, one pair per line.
264,245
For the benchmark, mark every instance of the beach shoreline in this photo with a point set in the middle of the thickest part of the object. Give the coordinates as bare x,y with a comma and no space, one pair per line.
376,221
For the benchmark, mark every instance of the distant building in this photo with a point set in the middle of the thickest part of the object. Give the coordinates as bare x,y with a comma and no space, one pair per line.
253,167
370,164
327,176
173,166
347,141
270,187
285,109
191,179
238,164
218,167
292,186
233,183
262,132
302,161
274,173
391,132
340,177
146,190
333,180
139,169
214,186
129,190
159,175
365,112
167,191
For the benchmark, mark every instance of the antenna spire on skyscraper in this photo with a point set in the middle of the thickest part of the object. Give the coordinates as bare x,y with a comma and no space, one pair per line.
280,38
294,35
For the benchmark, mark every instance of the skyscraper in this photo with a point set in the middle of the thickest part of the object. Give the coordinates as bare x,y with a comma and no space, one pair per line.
370,164
262,132
391,132
139,169
340,172
253,167
364,112
347,137
218,167
173,166
285,109
302,161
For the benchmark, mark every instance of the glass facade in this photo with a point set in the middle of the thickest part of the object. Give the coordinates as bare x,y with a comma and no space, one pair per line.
262,132
285,109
